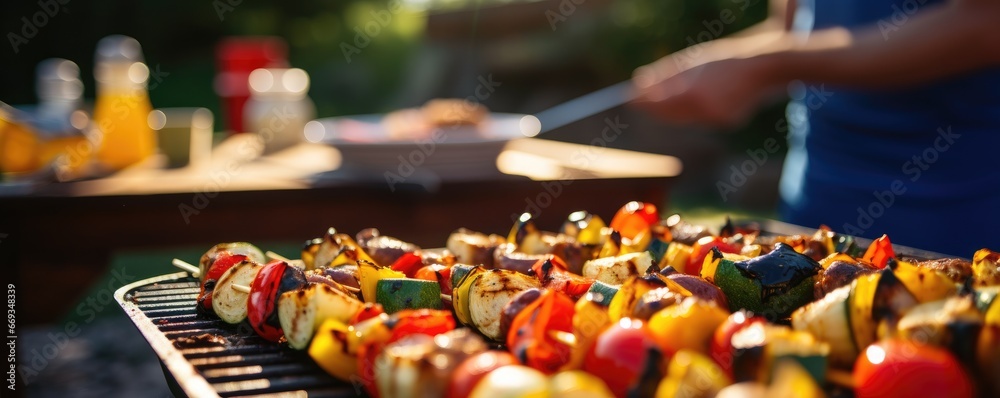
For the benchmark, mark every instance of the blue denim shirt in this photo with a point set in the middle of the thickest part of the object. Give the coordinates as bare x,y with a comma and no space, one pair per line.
921,164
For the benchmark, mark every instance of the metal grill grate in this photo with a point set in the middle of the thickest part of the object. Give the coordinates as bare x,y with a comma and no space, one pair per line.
204,356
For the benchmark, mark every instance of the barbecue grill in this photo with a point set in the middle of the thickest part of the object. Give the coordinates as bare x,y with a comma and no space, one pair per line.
204,356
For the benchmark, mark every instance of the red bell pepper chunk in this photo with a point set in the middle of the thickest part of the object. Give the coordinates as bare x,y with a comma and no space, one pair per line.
423,321
223,262
408,264
879,252
554,274
634,218
275,278
369,311
531,337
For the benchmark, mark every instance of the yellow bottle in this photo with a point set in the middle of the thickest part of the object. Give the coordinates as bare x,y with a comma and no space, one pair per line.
122,106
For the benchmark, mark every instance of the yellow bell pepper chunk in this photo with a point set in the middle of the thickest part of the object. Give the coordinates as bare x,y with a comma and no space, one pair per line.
368,276
589,320
689,325
826,261
986,267
628,295
329,349
677,256
692,375
578,384
926,284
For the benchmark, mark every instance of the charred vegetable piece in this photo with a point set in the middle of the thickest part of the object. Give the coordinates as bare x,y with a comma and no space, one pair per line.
839,273
615,270
775,283
421,366
829,320
231,304
488,293
629,295
505,257
339,249
688,325
926,284
273,280
676,256
953,323
331,350
635,218
473,247
383,249
692,374
880,252
531,338
515,306
703,247
400,294
244,248
760,346
309,250
408,264
368,276
986,267
586,228
553,274
301,312
698,286
222,263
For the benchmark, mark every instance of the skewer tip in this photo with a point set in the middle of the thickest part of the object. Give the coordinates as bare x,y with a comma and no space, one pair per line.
241,288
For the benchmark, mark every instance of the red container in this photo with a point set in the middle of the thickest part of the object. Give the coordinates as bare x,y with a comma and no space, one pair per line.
236,57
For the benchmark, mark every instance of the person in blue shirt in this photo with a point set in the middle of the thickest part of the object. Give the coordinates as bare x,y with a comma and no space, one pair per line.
894,120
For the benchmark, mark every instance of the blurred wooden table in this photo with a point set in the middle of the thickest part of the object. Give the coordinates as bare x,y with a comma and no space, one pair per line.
60,237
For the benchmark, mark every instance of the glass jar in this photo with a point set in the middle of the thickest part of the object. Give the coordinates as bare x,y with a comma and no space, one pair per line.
122,106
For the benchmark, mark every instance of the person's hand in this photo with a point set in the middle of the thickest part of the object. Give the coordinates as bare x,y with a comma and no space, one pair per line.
711,89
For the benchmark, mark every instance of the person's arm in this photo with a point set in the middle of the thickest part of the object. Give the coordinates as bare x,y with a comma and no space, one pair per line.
730,77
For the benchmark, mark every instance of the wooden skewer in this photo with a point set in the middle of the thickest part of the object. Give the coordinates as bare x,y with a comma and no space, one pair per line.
445,297
840,377
241,288
351,289
186,266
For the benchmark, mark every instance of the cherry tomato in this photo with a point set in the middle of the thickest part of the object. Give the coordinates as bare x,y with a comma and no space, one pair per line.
408,264
530,337
880,252
903,368
635,218
721,346
465,377
275,278
622,354
704,246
